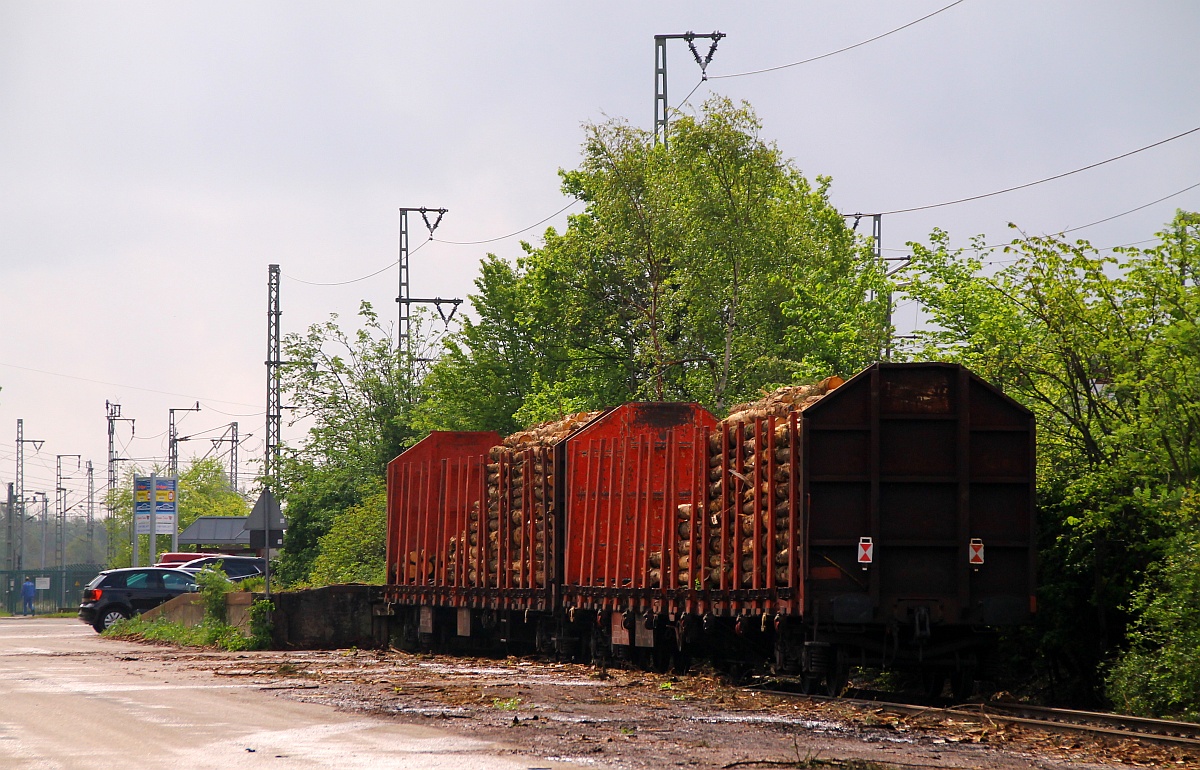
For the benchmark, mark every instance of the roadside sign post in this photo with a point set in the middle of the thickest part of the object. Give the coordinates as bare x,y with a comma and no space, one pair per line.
152,549
143,512
156,511
266,526
166,509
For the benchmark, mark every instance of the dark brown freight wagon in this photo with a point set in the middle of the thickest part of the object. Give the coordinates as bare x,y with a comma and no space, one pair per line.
889,523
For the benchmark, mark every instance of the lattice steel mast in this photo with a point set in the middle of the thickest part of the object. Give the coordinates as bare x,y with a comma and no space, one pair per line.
114,416
877,252
274,403
91,514
19,556
60,509
661,106
173,439
405,299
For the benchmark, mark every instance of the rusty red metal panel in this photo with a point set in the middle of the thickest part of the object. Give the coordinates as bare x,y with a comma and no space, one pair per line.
433,490
627,473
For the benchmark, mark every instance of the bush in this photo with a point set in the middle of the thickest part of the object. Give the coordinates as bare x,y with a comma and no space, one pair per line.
1159,675
354,549
214,630
213,585
261,624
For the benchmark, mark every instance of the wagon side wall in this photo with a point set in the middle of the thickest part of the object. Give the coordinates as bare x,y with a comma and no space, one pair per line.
625,476
918,484
434,488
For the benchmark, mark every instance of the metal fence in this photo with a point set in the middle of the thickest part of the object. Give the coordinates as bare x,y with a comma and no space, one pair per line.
57,589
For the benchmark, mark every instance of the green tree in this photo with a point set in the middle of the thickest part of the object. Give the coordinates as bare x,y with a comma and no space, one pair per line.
1159,675
353,391
204,490
1104,351
353,550
703,270
487,367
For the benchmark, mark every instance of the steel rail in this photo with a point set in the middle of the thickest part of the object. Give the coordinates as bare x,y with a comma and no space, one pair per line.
1123,722
1157,731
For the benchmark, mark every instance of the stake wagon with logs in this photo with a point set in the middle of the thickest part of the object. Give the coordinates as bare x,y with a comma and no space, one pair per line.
846,525
837,524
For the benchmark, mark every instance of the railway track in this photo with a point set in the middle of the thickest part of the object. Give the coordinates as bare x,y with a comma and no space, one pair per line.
1160,731
1119,726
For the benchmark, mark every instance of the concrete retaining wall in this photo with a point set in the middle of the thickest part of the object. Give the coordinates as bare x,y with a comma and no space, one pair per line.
330,617
188,610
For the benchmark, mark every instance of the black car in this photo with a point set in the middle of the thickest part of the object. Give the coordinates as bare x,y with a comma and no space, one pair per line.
235,567
122,593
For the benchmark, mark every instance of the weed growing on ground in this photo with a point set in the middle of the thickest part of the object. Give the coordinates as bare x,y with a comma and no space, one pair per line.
208,634
506,704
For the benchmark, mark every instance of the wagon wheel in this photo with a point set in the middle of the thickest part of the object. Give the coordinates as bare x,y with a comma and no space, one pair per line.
810,684
837,676
933,682
962,682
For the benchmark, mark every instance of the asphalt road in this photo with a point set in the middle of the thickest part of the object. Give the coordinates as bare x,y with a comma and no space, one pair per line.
69,699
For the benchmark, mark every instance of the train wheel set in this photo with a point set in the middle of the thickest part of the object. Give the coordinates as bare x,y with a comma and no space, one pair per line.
886,521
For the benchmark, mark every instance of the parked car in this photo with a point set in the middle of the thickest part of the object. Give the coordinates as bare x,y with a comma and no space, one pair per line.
177,558
236,567
122,593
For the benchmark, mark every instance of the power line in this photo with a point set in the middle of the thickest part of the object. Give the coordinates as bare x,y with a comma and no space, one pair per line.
1046,179
1123,213
231,414
385,268
993,247
840,50
510,235
393,264
689,96
114,384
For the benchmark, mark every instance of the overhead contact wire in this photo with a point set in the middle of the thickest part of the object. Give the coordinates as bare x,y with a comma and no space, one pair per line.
510,235
1123,213
1046,179
840,50
355,280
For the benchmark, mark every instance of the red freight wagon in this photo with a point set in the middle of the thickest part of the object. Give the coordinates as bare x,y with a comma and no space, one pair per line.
626,473
433,488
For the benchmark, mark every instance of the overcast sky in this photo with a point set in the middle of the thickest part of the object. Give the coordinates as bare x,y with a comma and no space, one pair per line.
155,157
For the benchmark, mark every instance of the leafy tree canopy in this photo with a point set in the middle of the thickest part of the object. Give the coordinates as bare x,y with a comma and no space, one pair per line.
1106,351
353,550
703,270
352,390
204,490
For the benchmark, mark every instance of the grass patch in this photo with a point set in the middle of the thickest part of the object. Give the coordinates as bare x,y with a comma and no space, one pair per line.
209,633
506,704
62,614
213,631
253,584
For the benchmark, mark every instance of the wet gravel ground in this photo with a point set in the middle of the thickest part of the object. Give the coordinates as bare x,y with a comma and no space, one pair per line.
621,718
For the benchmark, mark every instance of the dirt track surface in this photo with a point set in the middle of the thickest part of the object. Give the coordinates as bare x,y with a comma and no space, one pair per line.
363,708
72,701
583,716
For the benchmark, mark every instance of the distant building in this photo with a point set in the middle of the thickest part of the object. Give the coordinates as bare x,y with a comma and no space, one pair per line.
226,534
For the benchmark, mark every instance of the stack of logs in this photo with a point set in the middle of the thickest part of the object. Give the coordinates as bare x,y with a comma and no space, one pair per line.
733,509
520,487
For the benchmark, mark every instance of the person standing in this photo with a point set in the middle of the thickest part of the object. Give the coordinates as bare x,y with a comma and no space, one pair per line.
28,592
